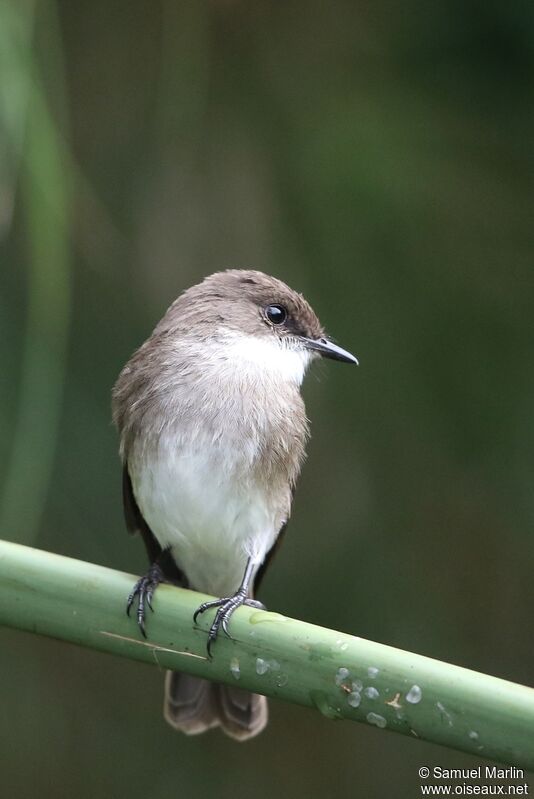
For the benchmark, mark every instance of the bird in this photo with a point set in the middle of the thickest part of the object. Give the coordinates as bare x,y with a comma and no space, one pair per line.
213,431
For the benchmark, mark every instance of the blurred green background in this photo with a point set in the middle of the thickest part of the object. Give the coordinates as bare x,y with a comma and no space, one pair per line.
376,156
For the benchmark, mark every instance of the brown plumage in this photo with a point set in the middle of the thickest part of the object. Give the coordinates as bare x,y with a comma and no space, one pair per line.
212,436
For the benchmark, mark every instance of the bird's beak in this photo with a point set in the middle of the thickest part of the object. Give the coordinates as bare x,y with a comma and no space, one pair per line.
328,349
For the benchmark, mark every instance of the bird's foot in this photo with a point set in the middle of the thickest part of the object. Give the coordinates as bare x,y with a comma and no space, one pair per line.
225,609
143,590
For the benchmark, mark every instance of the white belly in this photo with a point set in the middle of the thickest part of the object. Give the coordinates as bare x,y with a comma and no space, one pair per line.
211,516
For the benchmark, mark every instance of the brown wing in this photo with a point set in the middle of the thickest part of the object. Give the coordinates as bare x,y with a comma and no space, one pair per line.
136,524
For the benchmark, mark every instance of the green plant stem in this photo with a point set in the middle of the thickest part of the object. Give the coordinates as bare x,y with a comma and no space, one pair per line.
45,194
83,603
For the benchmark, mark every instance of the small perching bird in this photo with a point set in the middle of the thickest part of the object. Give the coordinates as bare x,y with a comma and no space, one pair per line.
212,437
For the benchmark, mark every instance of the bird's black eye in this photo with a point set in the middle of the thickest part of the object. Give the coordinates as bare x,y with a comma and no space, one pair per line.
276,314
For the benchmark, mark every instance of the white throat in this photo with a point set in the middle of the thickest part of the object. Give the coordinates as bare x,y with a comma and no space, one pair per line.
270,357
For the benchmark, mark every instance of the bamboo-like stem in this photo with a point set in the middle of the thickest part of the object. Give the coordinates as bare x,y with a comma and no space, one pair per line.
342,676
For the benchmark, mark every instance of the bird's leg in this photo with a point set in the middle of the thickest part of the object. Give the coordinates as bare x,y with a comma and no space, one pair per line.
227,605
143,590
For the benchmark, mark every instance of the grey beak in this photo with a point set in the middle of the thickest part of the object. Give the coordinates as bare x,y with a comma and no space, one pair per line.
328,349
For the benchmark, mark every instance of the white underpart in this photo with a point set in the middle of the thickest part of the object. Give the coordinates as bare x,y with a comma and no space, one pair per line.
196,491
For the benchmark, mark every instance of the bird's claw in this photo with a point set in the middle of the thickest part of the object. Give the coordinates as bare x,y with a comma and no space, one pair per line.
143,590
226,606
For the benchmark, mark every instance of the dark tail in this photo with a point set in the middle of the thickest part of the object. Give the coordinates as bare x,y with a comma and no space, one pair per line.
194,705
